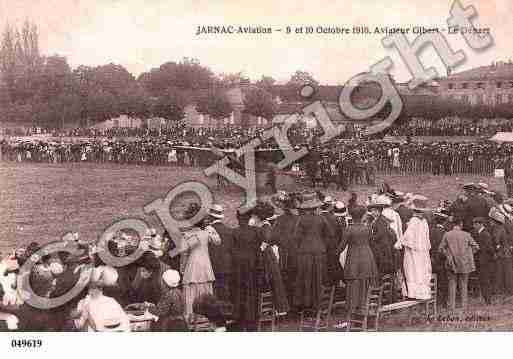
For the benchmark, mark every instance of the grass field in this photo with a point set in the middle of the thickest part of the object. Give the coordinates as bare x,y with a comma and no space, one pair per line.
43,201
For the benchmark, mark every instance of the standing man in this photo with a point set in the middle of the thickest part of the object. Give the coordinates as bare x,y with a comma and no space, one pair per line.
503,249
457,246
486,258
221,255
508,176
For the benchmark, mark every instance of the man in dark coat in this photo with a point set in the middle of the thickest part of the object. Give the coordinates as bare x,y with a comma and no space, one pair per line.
282,234
246,248
508,176
436,233
476,206
342,174
332,245
382,242
221,255
503,278
486,260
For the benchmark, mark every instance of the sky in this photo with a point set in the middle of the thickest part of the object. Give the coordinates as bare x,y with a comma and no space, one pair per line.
142,34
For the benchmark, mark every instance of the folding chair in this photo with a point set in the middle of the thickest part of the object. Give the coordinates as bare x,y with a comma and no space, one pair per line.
267,311
322,319
360,321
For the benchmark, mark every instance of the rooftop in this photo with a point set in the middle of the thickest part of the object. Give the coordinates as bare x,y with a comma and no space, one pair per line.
495,71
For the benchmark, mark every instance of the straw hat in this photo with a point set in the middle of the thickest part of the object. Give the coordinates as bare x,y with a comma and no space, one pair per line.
496,215
216,211
470,187
171,278
104,276
380,201
309,200
340,209
419,203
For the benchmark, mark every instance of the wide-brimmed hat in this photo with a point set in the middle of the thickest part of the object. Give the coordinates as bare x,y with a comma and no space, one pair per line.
419,203
483,187
151,232
171,277
216,211
327,203
470,187
309,200
70,237
104,276
496,215
380,202
340,209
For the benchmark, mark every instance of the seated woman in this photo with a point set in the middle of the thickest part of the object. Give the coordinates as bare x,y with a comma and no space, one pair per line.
170,308
97,312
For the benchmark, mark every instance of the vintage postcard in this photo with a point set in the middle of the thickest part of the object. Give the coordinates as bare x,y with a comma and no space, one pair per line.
255,166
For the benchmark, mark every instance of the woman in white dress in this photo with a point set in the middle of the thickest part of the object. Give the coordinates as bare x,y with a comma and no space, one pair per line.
416,244
196,267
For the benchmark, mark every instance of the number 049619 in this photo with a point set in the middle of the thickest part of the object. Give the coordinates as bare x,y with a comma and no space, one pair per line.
26,343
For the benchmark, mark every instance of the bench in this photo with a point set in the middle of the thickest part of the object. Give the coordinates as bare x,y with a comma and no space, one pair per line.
409,304
368,319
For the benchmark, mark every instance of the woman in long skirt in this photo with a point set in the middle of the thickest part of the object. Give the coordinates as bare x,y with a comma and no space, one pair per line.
198,275
360,270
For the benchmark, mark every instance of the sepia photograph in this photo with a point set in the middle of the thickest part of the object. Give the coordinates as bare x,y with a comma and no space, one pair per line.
269,166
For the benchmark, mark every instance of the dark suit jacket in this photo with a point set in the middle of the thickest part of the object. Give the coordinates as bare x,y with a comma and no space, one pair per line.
486,247
382,245
313,234
476,207
221,255
283,236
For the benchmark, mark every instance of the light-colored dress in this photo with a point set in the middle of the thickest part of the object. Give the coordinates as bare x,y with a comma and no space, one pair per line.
417,262
197,273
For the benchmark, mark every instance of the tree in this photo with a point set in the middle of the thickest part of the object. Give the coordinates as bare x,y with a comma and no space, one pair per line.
170,106
188,74
302,78
227,80
135,102
20,61
258,102
54,79
266,83
112,78
216,105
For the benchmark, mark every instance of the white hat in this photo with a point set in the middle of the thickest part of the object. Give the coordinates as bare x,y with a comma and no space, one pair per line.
171,278
70,237
340,209
151,232
216,211
104,276
56,268
328,200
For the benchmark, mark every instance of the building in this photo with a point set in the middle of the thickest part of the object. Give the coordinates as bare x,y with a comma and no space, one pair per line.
490,85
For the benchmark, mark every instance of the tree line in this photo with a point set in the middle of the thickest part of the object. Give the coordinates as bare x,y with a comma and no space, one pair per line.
43,90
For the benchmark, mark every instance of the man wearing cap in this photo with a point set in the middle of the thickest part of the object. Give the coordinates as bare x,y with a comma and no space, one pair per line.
486,255
221,255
